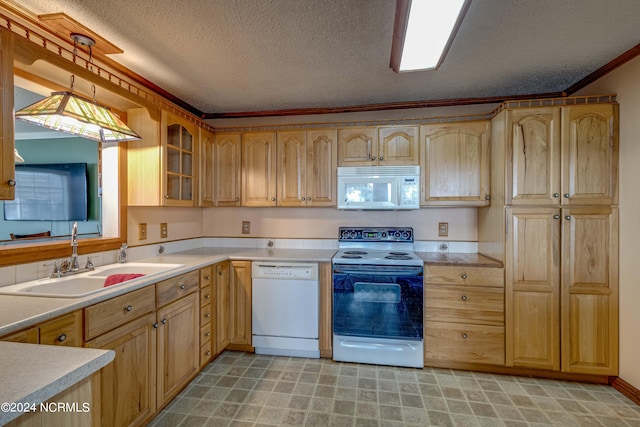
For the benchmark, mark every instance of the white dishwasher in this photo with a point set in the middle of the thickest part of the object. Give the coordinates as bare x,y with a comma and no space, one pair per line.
284,313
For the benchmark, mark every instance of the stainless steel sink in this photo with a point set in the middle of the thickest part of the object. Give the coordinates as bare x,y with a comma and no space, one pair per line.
86,283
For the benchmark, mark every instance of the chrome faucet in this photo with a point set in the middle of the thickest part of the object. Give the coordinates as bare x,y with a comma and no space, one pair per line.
122,255
75,266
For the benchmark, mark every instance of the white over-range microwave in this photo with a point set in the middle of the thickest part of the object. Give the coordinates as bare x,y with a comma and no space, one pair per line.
379,187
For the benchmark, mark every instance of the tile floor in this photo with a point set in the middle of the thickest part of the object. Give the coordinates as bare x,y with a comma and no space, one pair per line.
242,389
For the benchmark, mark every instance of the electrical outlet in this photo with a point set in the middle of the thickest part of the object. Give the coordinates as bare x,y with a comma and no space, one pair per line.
142,231
443,229
443,247
164,230
246,227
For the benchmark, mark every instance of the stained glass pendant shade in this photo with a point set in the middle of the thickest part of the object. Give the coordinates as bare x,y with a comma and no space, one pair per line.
70,113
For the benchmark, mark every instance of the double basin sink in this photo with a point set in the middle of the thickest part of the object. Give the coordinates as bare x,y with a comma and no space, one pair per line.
86,283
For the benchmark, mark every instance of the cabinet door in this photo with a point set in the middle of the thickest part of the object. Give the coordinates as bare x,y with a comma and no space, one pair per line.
259,169
227,168
178,348
180,139
532,298
357,147
533,153
292,159
455,164
127,384
240,302
221,333
590,290
590,155
398,145
7,136
322,160
205,171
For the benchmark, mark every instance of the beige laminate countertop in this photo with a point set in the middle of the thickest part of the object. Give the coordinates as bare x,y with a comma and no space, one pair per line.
458,259
31,374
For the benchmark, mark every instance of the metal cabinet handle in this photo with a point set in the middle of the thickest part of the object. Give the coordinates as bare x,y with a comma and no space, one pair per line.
208,353
487,197
206,296
464,298
62,337
273,199
556,195
182,287
567,195
220,273
568,217
556,216
373,157
208,334
207,315
381,158
207,277
464,276
155,325
11,183
163,321
465,336
237,199
166,196
128,308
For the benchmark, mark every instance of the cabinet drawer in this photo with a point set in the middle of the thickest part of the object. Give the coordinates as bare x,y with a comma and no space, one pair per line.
205,315
65,331
177,287
205,333
206,351
461,275
464,304
464,343
206,276
110,314
205,296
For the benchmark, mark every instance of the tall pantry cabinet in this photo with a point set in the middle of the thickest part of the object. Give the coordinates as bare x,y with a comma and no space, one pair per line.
554,223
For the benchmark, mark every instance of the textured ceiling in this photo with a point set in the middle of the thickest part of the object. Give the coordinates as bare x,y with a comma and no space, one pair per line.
254,55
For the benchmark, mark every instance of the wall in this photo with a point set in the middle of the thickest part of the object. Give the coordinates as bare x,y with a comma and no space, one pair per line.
625,82
183,223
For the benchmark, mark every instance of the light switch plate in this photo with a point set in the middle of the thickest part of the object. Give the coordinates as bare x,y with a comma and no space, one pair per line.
164,232
443,229
142,231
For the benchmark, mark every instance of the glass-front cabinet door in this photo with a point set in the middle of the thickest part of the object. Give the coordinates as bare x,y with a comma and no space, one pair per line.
180,160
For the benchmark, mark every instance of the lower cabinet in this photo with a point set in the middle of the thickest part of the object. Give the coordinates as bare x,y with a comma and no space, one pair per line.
128,384
222,283
240,302
65,331
157,349
464,315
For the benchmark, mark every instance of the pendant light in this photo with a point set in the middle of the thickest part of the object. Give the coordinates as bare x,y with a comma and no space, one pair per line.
73,114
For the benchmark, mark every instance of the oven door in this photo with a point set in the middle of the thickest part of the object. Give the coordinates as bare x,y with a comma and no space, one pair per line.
376,301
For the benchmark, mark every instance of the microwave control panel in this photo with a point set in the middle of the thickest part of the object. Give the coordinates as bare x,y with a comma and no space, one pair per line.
376,234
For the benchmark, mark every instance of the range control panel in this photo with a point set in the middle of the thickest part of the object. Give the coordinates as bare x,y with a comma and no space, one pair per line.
376,234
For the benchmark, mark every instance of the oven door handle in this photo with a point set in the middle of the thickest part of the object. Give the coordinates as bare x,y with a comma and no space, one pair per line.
407,271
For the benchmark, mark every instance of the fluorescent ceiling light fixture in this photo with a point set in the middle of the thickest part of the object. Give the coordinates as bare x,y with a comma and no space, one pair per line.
424,30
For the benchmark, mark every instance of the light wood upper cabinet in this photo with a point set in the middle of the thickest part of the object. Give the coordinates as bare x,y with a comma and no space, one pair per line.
205,169
590,155
398,145
533,148
227,169
307,168
292,167
455,164
162,166
562,156
259,169
7,137
385,146
358,147
590,290
533,288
